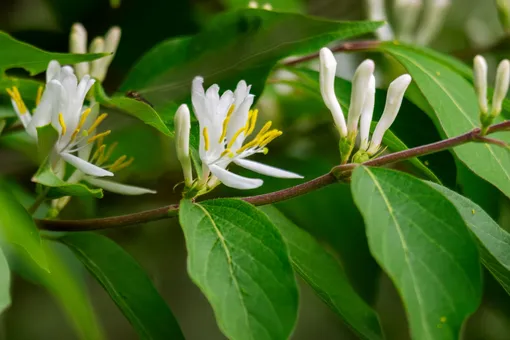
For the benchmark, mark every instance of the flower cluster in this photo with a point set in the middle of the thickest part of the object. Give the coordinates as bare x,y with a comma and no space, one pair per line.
225,123
62,103
480,70
406,14
361,107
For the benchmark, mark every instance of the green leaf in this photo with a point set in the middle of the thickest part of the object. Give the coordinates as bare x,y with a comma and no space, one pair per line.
136,108
47,136
126,283
66,285
16,53
309,80
494,241
421,241
243,44
60,188
240,262
278,5
18,228
325,275
5,283
453,105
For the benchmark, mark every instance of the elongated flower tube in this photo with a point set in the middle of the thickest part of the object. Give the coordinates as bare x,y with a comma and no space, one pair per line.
394,99
480,79
501,87
360,84
225,123
377,12
366,114
182,130
433,19
406,14
78,45
327,84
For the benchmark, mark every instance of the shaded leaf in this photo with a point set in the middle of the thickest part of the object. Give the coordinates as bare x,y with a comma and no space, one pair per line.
325,275
126,283
16,53
421,241
5,283
240,262
453,105
243,44
18,228
494,241
47,136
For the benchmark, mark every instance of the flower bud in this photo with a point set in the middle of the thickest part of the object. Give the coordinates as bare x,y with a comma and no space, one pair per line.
377,12
360,84
267,7
394,99
406,13
78,45
367,113
96,46
433,19
480,80
501,87
327,85
182,131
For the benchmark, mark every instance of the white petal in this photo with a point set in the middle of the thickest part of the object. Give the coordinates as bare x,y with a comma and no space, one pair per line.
327,85
84,166
367,113
118,188
235,181
360,84
265,169
480,79
501,87
53,71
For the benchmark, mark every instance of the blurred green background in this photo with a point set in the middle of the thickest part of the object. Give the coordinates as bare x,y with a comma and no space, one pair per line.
308,147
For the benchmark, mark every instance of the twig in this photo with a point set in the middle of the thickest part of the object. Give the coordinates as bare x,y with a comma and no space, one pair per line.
338,173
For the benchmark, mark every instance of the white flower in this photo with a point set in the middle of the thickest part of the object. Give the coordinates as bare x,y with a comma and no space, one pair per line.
225,123
360,84
500,88
394,99
109,44
182,130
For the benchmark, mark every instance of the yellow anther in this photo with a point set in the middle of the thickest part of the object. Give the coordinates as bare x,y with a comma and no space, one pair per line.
62,123
253,122
226,152
264,129
39,95
254,142
98,153
117,163
234,137
270,136
16,96
225,123
206,139
96,123
99,135
123,165
109,152
83,118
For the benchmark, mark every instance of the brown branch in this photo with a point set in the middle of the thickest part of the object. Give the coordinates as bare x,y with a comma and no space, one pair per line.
346,46
338,173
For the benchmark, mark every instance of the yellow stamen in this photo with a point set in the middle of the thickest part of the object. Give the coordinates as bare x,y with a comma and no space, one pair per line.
102,134
62,123
98,153
253,122
234,137
16,96
98,121
109,152
206,139
270,136
225,123
264,129
226,152
254,142
117,163
123,165
83,118
39,95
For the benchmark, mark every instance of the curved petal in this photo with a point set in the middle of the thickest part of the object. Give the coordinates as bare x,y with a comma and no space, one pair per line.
118,188
84,166
235,181
53,71
265,169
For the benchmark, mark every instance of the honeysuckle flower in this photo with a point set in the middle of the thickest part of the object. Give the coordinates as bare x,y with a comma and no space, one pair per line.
182,130
225,123
360,83
367,113
109,44
394,99
377,12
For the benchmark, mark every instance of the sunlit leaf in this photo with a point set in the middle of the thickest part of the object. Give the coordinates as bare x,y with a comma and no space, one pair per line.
421,241
240,262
